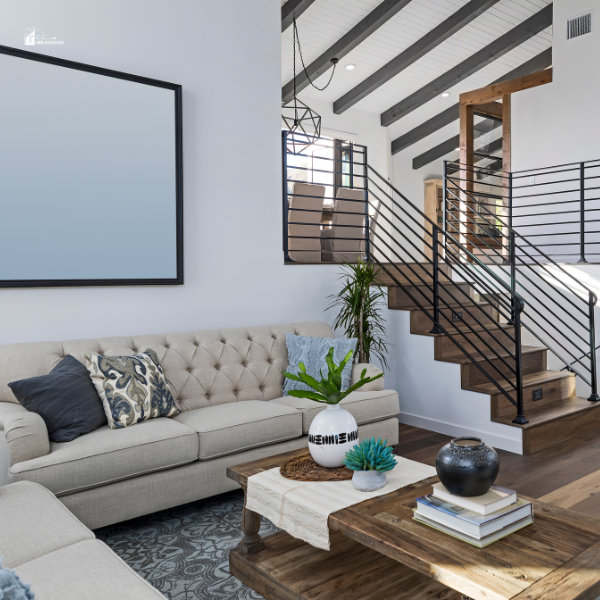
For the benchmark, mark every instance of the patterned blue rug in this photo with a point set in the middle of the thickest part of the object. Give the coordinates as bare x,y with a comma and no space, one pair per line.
184,551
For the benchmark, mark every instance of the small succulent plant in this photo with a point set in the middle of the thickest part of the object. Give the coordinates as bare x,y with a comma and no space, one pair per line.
371,455
328,390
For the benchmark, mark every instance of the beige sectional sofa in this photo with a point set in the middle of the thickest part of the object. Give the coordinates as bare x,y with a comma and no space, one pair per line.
229,386
57,555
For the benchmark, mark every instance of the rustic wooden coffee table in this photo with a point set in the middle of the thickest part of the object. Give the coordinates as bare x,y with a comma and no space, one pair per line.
379,553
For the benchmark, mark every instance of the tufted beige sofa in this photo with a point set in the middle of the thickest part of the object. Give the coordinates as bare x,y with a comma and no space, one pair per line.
229,386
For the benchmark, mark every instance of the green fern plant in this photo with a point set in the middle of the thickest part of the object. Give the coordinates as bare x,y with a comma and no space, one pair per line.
329,389
371,455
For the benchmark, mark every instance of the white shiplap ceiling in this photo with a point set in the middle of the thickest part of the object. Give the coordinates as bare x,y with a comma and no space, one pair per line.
326,21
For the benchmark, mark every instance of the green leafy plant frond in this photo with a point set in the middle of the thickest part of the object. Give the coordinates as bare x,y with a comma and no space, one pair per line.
360,302
329,389
371,455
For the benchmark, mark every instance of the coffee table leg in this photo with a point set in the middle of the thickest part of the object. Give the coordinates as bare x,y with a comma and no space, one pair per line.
251,542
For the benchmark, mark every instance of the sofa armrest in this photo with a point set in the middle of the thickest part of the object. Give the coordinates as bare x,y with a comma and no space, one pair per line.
372,370
26,437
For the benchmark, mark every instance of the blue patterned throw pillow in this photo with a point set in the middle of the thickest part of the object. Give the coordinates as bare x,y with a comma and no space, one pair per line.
11,587
132,388
312,352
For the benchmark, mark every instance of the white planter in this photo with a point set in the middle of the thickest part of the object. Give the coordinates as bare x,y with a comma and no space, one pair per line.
331,434
368,481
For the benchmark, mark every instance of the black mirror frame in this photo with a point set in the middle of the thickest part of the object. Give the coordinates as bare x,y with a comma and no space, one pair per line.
178,280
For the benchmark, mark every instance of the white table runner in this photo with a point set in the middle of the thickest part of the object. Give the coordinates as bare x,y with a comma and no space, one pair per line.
301,508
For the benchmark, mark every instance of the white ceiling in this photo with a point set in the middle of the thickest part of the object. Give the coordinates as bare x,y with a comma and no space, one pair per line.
325,21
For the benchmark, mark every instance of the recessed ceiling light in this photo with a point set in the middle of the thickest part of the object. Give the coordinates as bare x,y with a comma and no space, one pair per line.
350,67
445,94
457,149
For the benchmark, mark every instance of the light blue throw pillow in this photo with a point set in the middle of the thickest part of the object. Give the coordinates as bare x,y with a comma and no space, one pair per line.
312,352
11,587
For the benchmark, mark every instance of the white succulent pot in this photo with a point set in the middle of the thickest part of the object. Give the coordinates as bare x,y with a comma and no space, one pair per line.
368,481
331,434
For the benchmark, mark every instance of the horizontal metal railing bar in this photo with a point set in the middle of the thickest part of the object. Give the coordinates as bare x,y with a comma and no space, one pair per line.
333,212
467,354
538,204
558,212
312,157
323,184
331,171
329,144
453,180
576,164
532,185
362,200
540,194
466,167
326,225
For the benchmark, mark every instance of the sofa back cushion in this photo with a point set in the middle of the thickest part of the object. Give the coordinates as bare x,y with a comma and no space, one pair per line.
204,368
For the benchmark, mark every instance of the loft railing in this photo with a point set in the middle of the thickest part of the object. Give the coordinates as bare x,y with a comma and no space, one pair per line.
560,308
558,208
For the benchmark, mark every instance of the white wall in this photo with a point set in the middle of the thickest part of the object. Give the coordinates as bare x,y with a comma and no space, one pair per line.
226,55
559,122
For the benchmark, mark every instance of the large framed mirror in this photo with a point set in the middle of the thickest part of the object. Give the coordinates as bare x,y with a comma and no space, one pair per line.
91,178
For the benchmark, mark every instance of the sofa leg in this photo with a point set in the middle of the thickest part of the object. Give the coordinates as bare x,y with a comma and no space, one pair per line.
251,542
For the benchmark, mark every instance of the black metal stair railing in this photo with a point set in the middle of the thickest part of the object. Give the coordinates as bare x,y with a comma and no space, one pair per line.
405,243
560,308
413,252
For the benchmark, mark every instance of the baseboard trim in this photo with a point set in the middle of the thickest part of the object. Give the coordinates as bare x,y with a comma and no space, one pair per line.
493,439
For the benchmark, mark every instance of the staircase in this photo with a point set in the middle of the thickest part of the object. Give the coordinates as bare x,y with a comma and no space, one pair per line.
554,412
475,299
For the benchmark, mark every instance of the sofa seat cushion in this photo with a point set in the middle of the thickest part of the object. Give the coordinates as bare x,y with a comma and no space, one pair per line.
365,407
107,455
236,426
33,523
88,570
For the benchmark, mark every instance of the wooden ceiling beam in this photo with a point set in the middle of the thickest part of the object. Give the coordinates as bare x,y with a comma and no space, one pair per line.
420,48
449,145
496,91
360,32
291,9
505,43
542,61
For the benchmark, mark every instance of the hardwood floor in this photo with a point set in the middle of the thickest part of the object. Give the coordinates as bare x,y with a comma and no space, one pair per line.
566,474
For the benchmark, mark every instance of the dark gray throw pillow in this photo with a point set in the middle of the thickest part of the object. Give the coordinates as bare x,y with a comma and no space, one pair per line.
65,398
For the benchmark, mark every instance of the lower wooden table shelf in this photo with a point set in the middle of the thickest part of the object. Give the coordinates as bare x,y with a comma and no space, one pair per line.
289,569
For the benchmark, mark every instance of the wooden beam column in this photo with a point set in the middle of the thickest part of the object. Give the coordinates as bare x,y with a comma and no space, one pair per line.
466,176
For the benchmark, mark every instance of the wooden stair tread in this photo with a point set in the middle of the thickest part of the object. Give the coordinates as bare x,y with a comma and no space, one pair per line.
551,412
458,331
528,380
449,306
460,358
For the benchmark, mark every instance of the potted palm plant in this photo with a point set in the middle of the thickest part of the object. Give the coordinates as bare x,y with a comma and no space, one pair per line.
360,316
333,431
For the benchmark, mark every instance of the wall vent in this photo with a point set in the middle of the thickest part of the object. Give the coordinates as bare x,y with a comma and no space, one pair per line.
578,26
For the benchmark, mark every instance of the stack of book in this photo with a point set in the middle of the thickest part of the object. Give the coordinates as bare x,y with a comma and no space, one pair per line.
478,520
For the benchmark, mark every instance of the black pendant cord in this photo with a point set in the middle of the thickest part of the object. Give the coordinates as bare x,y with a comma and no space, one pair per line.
333,60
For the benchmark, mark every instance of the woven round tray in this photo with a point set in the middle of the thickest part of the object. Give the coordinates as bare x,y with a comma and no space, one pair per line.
304,468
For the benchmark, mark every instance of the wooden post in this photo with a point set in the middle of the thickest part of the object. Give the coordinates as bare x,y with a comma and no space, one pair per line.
466,176
506,168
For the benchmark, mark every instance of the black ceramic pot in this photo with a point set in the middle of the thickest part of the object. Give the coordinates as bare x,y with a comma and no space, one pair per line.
467,467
